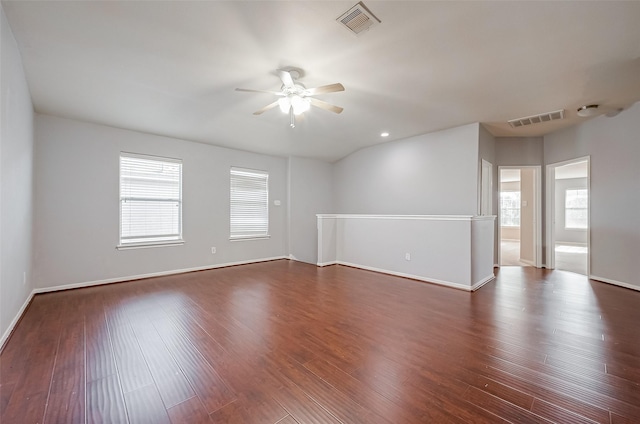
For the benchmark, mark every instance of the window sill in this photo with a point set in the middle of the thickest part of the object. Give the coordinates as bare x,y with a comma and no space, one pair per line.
244,238
149,245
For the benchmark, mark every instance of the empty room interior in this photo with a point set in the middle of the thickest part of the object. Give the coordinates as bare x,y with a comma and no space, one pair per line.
319,212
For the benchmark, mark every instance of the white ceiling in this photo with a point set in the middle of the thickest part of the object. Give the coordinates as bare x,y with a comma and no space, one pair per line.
170,68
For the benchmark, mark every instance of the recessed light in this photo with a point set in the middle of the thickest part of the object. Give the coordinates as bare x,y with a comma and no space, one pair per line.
384,134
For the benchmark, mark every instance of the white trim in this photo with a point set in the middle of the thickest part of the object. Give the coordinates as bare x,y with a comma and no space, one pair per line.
417,277
321,264
413,217
245,238
482,282
614,282
538,216
153,274
571,243
484,218
149,245
550,207
152,157
15,320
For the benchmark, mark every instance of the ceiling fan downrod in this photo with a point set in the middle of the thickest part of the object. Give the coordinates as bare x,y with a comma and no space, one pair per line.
292,116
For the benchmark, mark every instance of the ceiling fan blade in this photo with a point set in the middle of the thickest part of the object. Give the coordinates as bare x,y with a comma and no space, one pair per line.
266,108
331,88
286,78
324,105
277,93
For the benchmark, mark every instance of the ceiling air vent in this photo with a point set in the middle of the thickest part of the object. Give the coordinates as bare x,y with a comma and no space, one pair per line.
536,119
358,19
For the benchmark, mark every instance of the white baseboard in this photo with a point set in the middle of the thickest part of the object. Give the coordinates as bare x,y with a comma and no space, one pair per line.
615,283
482,282
15,320
411,276
153,274
451,284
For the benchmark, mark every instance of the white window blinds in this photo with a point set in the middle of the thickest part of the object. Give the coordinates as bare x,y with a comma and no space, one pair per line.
249,203
150,200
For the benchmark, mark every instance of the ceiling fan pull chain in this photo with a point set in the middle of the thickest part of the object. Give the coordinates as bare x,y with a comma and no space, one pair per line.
293,118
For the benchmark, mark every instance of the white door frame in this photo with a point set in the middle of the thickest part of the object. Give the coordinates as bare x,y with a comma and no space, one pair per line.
537,216
551,210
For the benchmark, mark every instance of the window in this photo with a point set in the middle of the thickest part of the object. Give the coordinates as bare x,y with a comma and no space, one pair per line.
510,208
575,208
150,200
249,203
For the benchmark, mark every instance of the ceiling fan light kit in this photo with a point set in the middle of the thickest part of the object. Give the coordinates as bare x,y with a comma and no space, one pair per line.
294,102
295,98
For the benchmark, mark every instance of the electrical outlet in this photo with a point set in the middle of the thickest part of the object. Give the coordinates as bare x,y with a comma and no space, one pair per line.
407,256
213,250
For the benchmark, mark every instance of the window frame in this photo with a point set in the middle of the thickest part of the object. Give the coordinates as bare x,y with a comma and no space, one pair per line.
566,209
263,175
179,239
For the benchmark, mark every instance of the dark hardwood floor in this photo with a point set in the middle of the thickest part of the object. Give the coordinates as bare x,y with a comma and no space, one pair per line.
285,342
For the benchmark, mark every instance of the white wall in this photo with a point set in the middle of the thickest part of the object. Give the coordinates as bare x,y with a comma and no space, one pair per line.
454,251
562,234
614,147
519,151
16,182
77,207
430,174
510,233
310,193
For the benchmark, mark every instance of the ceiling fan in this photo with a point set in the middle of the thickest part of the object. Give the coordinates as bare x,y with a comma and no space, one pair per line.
295,98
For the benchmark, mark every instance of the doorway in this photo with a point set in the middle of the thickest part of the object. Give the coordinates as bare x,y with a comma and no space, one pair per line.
519,214
569,207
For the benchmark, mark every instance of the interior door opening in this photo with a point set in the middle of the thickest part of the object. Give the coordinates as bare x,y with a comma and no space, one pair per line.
570,232
510,196
519,216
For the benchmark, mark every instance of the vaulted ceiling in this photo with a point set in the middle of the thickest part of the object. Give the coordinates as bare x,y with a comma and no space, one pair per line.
170,68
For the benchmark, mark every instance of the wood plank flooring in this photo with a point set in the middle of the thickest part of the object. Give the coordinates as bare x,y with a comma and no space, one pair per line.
285,342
